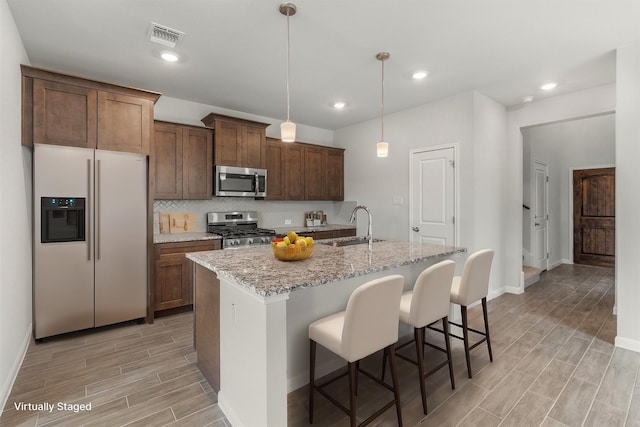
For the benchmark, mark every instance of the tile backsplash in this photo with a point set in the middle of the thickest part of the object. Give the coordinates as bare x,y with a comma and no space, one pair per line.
270,213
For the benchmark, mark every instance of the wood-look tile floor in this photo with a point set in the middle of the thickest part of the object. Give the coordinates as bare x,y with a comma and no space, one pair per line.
554,365
134,375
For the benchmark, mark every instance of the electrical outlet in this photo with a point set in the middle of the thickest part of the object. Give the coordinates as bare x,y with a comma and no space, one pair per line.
287,222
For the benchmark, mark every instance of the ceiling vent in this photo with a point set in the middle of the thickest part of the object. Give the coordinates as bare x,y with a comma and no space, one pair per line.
164,35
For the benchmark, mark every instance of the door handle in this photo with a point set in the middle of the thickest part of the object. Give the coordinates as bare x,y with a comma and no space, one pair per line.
88,229
537,224
97,210
416,229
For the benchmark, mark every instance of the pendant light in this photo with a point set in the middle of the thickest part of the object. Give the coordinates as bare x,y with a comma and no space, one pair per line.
288,128
382,147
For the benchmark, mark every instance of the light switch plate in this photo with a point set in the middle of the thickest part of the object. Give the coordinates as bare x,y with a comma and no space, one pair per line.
287,222
396,200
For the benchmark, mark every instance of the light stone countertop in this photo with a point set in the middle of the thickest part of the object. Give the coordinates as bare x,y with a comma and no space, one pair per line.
256,269
184,237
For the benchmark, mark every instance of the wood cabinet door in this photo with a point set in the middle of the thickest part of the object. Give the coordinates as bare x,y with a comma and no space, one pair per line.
276,171
313,173
228,144
172,283
197,163
294,172
64,114
333,165
124,123
254,147
168,161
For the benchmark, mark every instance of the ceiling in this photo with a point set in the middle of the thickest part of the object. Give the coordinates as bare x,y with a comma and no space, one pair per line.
233,54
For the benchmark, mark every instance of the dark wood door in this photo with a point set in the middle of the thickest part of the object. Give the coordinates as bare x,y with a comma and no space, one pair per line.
313,173
197,163
64,114
228,144
295,172
255,147
276,172
167,158
125,123
173,283
594,217
333,165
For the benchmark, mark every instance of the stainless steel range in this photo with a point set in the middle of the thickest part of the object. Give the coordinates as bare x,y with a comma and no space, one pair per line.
238,228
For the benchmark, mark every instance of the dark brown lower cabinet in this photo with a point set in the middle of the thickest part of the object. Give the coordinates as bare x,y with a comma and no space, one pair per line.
172,275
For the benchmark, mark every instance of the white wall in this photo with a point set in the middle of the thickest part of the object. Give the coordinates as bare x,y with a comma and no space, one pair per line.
585,103
472,121
627,200
564,146
15,192
373,181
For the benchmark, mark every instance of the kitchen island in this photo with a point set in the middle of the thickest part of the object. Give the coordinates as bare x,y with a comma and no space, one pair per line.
258,351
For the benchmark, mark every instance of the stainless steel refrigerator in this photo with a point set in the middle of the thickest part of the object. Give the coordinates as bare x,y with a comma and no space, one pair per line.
90,238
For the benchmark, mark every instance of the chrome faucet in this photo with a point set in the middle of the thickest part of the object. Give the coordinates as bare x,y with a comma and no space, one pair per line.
369,232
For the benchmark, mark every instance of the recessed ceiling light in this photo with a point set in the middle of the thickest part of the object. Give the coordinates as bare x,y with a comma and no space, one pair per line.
549,86
169,56
339,105
527,99
419,75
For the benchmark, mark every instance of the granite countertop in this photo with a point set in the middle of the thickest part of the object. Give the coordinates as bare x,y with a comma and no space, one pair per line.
184,237
256,268
301,229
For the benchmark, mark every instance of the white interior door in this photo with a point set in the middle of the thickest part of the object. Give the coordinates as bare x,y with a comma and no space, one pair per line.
432,218
540,216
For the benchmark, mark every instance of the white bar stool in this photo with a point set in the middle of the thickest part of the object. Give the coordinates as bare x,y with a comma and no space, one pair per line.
369,324
472,286
427,304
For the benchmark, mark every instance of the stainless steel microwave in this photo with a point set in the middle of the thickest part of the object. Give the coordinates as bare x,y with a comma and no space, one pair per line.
240,182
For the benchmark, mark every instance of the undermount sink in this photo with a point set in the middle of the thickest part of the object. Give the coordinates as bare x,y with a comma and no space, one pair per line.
350,242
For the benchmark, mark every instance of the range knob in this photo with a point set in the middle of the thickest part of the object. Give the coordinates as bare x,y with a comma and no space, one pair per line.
249,241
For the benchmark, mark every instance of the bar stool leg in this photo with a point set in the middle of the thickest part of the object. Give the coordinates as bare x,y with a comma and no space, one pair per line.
445,328
419,340
486,326
312,367
394,377
465,335
357,362
353,374
384,365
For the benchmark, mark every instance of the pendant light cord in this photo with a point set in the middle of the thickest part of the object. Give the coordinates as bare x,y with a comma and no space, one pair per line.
288,65
382,109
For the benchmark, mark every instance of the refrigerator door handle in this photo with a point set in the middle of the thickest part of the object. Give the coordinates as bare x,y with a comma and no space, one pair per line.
97,207
88,205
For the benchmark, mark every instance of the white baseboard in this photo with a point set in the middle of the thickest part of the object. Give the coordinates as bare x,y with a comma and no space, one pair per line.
628,344
556,264
567,261
517,290
13,373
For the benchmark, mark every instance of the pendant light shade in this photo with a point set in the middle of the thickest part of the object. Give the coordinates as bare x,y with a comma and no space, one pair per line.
288,131
288,128
382,147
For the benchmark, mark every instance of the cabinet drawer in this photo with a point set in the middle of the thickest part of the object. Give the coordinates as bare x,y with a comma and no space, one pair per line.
173,250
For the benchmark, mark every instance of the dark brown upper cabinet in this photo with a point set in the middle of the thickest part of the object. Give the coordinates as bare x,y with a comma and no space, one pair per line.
238,142
183,159
66,110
